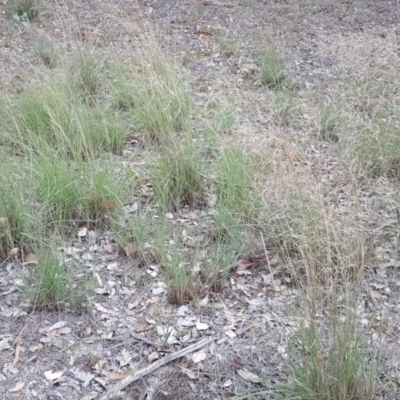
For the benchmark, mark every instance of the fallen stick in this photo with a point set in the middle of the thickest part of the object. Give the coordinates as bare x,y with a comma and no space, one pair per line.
113,392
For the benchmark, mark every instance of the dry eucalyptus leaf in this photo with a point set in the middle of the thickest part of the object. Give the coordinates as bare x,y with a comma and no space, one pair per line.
204,302
82,232
117,377
14,251
18,386
249,376
3,222
201,326
230,333
89,396
193,387
30,259
199,356
153,356
190,215
188,373
51,376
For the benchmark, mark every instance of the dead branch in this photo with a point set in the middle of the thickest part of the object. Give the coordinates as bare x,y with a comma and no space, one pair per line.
113,392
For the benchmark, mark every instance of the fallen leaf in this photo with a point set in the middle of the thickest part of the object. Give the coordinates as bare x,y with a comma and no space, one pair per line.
82,232
100,308
249,376
18,386
14,251
30,259
199,356
51,376
4,345
244,264
112,266
193,387
204,302
117,377
375,294
3,222
230,333
190,215
188,373
55,326
65,331
99,366
153,356
89,396
17,352
201,326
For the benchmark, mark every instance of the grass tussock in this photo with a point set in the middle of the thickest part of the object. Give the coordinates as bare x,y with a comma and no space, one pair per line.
154,93
51,286
272,72
330,360
53,116
372,151
316,242
29,8
177,179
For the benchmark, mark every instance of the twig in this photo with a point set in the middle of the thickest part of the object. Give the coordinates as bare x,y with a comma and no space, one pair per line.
113,392
269,265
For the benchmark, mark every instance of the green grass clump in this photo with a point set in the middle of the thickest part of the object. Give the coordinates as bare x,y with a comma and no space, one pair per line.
330,362
52,115
333,121
177,179
47,53
133,237
234,187
19,217
273,73
30,8
284,107
237,208
76,192
85,77
373,150
225,120
154,94
50,285
227,45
